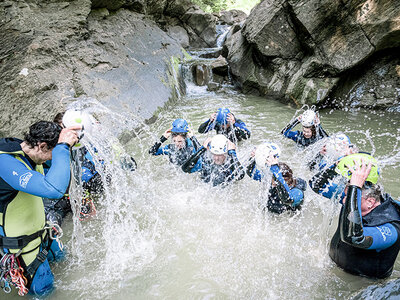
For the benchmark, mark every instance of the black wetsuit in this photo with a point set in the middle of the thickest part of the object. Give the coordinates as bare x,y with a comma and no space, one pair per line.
281,197
175,155
352,247
217,174
235,133
298,136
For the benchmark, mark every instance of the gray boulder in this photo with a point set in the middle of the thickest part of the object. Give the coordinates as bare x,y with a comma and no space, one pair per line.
231,17
179,34
271,31
303,50
203,25
63,49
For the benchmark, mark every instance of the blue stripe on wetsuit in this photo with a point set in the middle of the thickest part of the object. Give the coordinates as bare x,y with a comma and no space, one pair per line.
295,194
52,185
293,135
241,125
87,173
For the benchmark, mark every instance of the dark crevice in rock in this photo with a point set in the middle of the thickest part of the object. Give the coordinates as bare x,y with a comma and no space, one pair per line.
366,36
373,84
303,36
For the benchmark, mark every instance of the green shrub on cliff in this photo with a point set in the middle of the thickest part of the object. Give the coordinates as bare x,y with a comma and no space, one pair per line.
218,5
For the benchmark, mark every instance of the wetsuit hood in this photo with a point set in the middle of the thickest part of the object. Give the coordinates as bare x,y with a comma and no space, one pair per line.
386,212
10,144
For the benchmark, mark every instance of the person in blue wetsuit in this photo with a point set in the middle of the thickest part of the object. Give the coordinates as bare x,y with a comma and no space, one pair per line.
183,146
286,193
312,129
327,181
219,165
24,235
334,147
367,239
224,122
57,209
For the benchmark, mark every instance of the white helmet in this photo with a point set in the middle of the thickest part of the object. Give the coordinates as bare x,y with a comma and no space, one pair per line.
264,151
337,144
219,144
77,117
308,118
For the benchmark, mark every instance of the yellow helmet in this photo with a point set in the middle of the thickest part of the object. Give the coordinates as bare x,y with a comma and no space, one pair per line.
349,161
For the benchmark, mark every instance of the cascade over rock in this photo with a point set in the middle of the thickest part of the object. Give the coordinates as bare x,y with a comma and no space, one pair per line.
300,50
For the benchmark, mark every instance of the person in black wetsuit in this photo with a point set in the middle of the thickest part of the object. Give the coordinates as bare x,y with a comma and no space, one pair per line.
367,240
286,193
183,146
224,122
219,165
312,129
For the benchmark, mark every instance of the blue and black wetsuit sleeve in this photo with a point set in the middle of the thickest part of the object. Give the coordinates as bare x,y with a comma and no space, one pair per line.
322,182
312,164
196,143
294,135
237,170
241,131
155,149
322,133
354,233
53,185
191,163
206,126
287,195
252,171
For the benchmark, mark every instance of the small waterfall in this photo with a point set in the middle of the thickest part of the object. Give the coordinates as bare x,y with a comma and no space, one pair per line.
222,31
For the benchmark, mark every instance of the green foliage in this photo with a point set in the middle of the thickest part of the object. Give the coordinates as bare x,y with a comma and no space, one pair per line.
213,5
244,5
218,5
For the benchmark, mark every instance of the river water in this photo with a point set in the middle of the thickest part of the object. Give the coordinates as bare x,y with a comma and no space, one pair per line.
163,234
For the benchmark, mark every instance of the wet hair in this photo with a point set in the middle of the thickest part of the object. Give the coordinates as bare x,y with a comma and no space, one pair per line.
287,173
174,134
372,191
313,130
43,131
58,117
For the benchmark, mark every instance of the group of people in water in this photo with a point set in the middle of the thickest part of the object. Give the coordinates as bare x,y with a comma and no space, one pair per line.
36,170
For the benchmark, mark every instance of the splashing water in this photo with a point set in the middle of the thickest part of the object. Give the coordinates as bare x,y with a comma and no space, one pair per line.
160,233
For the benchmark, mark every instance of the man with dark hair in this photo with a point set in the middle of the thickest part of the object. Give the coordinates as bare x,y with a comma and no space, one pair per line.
24,236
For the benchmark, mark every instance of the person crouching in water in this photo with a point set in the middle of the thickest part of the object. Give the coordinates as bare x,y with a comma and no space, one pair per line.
184,144
286,193
216,161
312,129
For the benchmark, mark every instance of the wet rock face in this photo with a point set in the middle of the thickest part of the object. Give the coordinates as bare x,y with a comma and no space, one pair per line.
231,17
200,26
374,84
301,49
61,49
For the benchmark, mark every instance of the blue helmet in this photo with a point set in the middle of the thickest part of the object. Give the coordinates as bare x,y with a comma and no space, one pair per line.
222,115
180,126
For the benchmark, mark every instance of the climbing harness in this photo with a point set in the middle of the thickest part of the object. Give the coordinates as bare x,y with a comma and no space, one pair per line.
88,210
11,271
